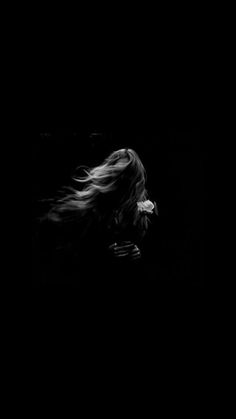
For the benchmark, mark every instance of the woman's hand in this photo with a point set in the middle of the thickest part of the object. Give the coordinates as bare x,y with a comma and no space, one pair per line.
125,249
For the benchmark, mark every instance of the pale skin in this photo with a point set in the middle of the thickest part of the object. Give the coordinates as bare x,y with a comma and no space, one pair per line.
125,249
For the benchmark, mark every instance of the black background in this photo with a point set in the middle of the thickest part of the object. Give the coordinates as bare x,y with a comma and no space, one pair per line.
140,81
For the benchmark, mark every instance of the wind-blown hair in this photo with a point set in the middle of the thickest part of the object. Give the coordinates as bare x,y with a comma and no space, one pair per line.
115,185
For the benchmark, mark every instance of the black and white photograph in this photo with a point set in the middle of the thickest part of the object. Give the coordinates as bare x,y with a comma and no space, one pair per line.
117,209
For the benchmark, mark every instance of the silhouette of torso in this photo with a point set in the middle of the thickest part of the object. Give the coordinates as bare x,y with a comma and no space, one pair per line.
76,252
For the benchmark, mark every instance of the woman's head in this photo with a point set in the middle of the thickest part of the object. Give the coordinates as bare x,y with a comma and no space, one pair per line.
123,173
117,183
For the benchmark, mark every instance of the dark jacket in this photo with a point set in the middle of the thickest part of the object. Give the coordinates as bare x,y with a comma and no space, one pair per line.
75,252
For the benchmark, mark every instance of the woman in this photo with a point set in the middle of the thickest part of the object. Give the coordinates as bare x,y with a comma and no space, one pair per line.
95,229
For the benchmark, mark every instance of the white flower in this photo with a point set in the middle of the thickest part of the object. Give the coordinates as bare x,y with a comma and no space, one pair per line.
145,206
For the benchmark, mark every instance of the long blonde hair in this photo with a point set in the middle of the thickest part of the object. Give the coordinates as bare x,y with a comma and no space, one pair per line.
116,184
